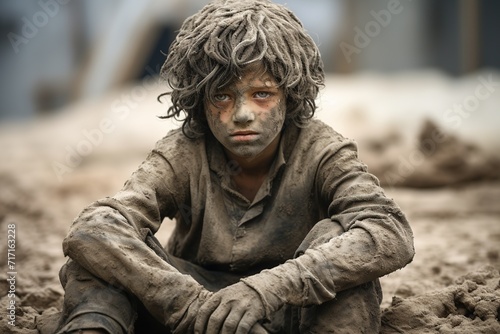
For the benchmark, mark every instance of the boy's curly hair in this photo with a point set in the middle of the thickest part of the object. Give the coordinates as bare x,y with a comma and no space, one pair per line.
214,46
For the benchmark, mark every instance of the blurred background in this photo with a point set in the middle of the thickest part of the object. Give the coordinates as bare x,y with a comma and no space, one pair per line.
79,81
56,52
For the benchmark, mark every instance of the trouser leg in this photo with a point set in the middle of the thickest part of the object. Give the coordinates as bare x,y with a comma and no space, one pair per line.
91,303
356,311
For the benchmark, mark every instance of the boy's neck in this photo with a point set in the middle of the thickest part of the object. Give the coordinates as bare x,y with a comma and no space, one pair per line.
251,173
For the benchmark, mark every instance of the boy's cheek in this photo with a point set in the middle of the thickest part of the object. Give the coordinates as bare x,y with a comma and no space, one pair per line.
216,122
218,113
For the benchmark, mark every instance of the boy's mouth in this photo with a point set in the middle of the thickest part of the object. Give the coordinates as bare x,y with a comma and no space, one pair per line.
246,135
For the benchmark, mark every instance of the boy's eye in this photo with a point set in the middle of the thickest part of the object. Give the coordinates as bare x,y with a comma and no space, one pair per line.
221,97
262,95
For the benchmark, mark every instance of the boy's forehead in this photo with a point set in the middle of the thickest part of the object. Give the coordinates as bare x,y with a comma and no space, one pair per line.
258,76
254,76
257,71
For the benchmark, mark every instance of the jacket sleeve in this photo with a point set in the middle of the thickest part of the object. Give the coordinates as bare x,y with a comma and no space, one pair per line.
109,240
377,239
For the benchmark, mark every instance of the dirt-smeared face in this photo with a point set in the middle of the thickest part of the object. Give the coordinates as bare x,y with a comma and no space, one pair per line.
248,115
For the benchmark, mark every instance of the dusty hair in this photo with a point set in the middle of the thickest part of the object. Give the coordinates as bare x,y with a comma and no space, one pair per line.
214,46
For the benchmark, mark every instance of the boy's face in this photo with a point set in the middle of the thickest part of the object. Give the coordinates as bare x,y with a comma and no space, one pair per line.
247,115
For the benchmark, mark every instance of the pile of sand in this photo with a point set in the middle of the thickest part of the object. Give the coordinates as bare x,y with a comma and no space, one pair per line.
470,305
437,158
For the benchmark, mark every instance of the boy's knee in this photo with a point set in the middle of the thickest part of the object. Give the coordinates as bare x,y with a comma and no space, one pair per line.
90,302
355,310
72,270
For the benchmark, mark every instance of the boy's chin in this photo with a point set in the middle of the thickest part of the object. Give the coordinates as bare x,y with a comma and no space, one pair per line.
247,155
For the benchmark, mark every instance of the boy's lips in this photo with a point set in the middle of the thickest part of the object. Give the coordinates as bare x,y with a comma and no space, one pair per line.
245,135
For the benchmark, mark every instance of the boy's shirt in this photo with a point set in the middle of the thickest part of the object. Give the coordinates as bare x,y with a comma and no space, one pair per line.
316,175
216,226
221,229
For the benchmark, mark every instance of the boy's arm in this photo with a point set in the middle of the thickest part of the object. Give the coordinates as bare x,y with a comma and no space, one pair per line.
109,240
377,239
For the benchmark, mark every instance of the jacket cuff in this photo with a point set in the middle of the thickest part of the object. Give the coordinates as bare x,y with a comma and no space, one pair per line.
302,282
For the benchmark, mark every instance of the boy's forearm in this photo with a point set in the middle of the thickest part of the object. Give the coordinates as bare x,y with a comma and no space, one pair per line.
368,251
106,245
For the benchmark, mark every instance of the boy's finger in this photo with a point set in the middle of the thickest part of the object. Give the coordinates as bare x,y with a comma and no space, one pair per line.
231,321
216,321
247,323
204,314
258,329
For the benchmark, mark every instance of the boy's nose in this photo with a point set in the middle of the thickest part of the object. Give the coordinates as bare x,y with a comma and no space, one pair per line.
243,114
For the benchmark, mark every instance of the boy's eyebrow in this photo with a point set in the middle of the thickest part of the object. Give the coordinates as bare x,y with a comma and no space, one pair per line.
263,86
266,84
229,89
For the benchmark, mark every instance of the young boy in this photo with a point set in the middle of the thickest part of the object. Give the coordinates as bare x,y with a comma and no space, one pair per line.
279,226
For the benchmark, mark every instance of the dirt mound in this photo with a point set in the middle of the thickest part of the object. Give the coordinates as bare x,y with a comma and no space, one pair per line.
436,159
34,303
470,305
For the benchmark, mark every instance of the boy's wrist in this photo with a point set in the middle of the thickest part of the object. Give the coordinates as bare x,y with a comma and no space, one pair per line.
275,288
186,323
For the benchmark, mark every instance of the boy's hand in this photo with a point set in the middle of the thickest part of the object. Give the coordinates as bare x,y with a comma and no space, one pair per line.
234,309
186,325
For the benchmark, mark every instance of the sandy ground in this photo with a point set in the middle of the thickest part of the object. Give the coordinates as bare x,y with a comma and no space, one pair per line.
451,193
